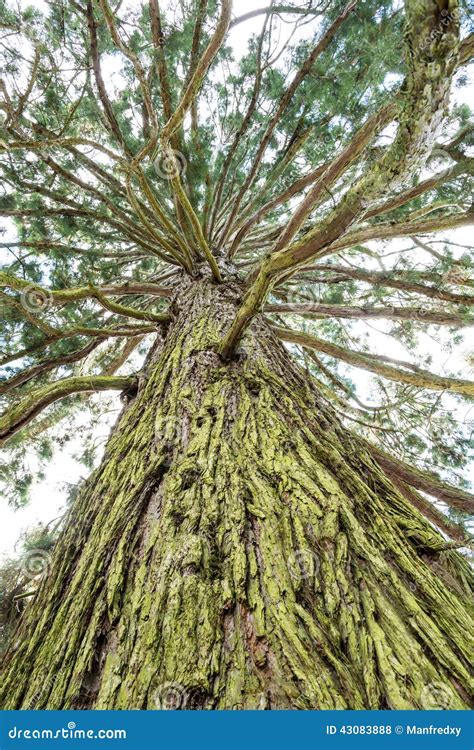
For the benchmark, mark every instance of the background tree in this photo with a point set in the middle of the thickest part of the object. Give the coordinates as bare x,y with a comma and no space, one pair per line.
264,527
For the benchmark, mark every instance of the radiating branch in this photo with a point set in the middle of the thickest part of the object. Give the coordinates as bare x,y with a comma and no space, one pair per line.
423,480
320,310
74,294
20,415
431,512
420,378
392,280
49,364
201,69
420,109
110,119
275,10
101,333
299,77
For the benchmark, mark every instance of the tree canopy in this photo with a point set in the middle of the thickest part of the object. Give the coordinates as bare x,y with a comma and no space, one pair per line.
311,151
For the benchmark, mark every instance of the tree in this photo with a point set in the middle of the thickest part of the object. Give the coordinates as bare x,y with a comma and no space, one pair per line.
262,531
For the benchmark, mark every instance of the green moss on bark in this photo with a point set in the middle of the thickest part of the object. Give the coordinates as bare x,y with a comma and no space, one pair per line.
237,548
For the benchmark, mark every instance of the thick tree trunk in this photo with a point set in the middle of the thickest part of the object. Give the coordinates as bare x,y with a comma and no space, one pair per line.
238,548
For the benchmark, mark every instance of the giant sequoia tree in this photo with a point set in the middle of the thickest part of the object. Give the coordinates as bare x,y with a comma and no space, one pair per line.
265,527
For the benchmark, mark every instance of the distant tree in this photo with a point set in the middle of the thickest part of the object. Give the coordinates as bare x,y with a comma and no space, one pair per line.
264,528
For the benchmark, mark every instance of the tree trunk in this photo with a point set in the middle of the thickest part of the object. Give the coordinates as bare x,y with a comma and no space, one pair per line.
238,548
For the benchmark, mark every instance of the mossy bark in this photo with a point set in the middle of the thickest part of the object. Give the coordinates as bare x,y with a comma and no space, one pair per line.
238,548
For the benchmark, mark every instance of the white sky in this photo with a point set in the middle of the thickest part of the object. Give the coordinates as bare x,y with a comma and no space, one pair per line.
48,495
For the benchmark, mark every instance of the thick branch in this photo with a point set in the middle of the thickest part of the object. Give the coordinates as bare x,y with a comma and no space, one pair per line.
391,279
66,359
466,50
240,132
24,412
140,74
158,44
420,378
201,69
421,109
420,314
305,69
431,512
111,120
466,166
129,312
391,230
74,294
423,480
102,333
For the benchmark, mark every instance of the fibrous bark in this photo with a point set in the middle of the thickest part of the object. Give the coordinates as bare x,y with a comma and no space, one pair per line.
238,548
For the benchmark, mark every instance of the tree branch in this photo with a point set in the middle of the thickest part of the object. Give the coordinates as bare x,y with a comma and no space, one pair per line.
274,10
24,412
74,294
31,372
426,91
431,512
111,120
388,231
420,314
382,278
423,480
420,378
320,47
201,69
102,333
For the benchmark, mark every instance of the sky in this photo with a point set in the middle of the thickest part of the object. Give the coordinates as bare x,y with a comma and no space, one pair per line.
48,495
